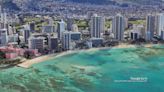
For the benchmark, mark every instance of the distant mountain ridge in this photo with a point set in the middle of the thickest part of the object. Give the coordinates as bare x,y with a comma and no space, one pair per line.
143,2
9,4
93,1
33,4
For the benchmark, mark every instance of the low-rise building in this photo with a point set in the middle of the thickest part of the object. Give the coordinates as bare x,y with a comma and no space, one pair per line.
11,55
96,42
3,37
53,43
134,35
36,43
75,36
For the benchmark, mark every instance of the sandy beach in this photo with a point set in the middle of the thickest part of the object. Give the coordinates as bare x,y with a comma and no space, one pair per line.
124,46
29,63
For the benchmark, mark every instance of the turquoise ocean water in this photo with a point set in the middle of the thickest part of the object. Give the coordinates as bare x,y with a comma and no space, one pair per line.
107,70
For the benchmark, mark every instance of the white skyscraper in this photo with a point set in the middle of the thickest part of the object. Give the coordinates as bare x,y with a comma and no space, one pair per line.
4,17
60,29
118,27
3,20
3,37
97,26
26,35
150,27
160,23
66,40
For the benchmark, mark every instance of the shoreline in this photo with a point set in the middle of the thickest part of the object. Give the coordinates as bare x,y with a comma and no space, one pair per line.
29,63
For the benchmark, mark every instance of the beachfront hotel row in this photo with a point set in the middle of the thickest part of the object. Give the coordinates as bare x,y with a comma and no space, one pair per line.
66,35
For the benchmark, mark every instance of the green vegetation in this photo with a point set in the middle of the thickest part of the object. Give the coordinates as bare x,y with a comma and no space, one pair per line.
55,22
30,19
108,23
2,55
17,26
10,63
137,22
82,23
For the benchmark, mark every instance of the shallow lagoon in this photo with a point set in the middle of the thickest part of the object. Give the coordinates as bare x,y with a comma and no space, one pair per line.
91,71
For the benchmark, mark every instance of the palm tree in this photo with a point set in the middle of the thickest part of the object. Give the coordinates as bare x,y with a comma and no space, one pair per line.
2,55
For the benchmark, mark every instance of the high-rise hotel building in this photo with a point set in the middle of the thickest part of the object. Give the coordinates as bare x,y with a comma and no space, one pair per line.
150,27
97,25
60,29
66,40
118,27
159,23
3,37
